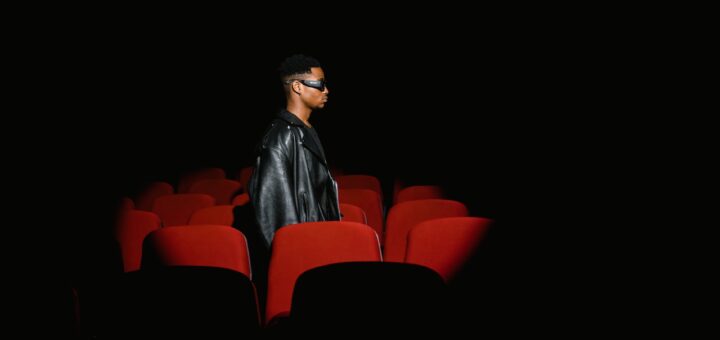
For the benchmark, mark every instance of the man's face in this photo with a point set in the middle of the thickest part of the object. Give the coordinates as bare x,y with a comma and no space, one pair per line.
314,91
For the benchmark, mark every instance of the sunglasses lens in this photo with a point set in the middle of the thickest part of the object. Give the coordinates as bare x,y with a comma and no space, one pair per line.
316,84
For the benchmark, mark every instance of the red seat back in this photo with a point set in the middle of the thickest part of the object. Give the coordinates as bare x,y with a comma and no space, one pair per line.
445,244
198,245
360,182
404,216
189,178
299,247
419,192
241,199
177,209
222,189
218,215
352,213
369,201
130,230
243,176
146,199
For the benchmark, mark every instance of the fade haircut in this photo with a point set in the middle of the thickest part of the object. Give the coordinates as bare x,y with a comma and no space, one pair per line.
297,64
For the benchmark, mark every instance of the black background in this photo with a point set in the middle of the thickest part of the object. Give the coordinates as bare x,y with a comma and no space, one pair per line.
522,117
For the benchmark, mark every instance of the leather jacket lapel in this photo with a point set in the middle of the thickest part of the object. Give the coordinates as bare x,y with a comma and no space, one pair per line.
307,141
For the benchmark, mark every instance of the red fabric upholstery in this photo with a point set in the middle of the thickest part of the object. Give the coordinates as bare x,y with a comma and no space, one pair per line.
241,199
130,231
299,247
369,201
222,189
445,244
402,217
177,209
189,178
419,192
145,200
360,182
218,215
352,213
243,176
199,245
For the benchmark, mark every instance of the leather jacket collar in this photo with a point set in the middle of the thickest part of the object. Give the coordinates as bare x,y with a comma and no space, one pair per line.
307,142
290,118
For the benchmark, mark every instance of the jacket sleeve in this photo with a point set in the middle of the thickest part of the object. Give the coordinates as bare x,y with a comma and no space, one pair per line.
272,192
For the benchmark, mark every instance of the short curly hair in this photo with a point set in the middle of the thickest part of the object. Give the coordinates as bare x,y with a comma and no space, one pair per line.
297,64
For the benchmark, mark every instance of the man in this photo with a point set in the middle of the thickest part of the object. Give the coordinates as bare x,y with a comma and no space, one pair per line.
291,182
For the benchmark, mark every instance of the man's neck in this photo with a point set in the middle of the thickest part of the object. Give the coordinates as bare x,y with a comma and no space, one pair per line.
301,112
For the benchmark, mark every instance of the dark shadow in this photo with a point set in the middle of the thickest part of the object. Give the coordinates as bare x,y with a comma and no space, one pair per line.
523,132
244,220
370,297
210,303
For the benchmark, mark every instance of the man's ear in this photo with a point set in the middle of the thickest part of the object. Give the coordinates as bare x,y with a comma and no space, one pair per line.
296,87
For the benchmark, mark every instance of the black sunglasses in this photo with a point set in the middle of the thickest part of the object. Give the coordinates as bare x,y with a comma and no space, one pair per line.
316,84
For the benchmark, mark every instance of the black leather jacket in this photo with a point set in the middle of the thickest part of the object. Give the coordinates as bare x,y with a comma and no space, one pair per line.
291,182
